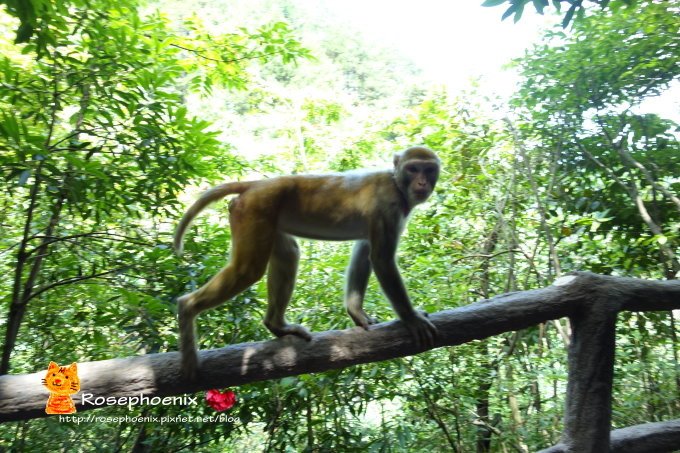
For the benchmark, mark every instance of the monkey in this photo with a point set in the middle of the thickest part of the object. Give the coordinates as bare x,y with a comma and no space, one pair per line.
370,208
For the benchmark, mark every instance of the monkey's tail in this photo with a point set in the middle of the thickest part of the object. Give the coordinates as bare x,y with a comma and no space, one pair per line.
211,195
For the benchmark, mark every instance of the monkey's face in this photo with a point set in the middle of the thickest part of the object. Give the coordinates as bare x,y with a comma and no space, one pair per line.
417,179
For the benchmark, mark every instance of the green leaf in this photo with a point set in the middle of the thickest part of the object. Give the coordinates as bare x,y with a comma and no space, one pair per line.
489,3
519,12
288,381
540,5
23,177
509,12
569,15
24,33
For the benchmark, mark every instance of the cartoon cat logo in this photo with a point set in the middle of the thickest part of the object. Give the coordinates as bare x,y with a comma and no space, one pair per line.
62,382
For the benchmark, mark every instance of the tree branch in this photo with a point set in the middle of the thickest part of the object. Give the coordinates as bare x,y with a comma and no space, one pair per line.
22,396
659,437
251,56
71,280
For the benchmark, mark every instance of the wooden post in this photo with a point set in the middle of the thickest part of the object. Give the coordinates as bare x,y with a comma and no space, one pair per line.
587,413
588,406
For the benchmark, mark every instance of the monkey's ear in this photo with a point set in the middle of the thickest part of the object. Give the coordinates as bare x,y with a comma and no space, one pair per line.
397,158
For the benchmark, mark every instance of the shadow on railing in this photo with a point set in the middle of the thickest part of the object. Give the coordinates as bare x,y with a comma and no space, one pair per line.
591,302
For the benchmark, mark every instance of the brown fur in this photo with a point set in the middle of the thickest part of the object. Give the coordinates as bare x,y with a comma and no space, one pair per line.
368,207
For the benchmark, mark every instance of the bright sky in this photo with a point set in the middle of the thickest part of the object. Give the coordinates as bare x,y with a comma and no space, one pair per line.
453,41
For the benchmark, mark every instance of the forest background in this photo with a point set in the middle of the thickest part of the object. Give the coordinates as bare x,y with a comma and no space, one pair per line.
115,114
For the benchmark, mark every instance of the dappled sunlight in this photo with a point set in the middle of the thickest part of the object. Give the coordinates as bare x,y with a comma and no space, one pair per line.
247,355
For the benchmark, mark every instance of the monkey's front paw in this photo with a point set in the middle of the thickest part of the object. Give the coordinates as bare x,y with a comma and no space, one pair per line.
422,330
423,313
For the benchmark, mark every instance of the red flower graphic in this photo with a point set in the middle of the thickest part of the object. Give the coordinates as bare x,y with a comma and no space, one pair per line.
220,401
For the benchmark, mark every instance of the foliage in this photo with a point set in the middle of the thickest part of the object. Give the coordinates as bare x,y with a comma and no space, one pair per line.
96,145
629,59
576,7
610,203
586,114
39,19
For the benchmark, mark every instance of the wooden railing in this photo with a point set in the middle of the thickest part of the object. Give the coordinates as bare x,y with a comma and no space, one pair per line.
591,302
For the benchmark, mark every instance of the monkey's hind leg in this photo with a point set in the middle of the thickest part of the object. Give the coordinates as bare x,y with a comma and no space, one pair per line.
230,281
283,265
251,245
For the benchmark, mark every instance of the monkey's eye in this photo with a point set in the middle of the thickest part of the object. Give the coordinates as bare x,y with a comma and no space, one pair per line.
411,168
